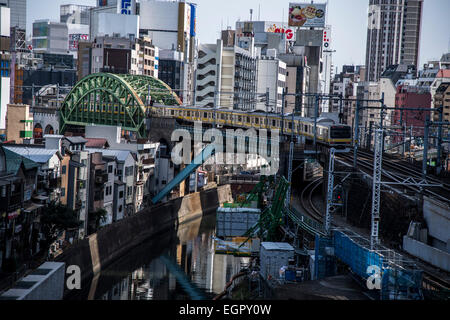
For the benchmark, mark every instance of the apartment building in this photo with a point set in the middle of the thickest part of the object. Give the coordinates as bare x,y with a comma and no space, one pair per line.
393,35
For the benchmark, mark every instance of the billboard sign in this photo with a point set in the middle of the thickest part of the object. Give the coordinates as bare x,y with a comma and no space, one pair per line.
193,20
326,38
307,15
126,7
288,32
74,39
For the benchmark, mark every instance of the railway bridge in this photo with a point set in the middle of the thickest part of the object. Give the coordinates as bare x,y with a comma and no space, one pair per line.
146,107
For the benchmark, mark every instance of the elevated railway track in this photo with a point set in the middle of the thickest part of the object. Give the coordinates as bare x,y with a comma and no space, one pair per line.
435,282
397,173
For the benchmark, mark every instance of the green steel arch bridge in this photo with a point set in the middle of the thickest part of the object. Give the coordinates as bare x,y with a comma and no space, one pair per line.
114,100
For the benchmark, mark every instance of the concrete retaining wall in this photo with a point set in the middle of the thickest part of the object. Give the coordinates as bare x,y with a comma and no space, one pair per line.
427,253
437,216
101,249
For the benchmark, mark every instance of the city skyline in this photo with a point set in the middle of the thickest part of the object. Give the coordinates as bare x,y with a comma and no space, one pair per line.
435,37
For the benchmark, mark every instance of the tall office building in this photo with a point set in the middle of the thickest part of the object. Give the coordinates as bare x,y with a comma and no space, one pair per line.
18,12
393,35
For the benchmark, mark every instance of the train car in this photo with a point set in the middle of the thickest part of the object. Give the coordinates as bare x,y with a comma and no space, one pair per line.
328,132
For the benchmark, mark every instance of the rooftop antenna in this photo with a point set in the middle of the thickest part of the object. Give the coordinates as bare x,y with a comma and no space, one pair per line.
251,14
259,16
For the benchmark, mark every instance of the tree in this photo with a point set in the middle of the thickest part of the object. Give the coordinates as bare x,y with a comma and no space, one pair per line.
55,219
100,216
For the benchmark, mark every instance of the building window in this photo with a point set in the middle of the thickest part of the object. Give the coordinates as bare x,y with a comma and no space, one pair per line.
129,171
63,192
110,169
63,171
120,194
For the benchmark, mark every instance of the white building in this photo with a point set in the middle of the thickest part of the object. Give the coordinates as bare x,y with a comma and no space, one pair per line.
170,25
77,19
110,20
208,74
50,37
271,79
124,171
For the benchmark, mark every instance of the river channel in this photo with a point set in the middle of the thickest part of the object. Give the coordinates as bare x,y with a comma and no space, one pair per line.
159,268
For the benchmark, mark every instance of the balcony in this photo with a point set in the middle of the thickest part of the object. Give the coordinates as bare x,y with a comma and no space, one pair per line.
78,204
54,183
81,184
101,176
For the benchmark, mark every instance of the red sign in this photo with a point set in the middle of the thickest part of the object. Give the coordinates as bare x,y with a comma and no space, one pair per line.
288,32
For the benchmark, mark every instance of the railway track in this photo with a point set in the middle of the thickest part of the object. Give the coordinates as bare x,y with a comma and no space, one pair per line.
431,281
394,172
406,168
306,200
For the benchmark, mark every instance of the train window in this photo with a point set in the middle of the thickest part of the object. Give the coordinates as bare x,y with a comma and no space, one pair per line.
340,132
239,118
274,123
290,125
222,116
248,119
172,112
205,114
188,113
256,120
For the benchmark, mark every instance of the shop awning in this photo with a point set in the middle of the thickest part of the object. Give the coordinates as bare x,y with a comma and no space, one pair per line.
33,207
40,197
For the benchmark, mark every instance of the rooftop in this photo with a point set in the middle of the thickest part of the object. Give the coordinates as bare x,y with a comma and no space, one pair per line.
121,155
38,155
15,160
98,143
76,139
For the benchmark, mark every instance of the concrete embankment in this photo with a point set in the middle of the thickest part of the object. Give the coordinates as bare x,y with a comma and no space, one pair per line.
99,250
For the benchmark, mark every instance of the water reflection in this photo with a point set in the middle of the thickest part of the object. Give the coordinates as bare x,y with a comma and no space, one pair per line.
143,275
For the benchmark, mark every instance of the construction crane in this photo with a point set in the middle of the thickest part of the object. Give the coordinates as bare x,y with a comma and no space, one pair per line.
271,216
257,194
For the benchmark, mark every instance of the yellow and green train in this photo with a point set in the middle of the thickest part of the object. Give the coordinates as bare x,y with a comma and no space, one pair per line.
329,132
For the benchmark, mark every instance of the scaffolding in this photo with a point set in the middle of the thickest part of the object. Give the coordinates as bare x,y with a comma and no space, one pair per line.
400,279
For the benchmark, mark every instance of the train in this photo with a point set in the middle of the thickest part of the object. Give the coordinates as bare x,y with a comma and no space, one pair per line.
329,132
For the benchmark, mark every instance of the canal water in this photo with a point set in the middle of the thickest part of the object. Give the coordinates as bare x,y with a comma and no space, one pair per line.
157,269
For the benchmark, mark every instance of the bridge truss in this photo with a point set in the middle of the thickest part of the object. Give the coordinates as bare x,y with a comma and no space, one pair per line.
114,100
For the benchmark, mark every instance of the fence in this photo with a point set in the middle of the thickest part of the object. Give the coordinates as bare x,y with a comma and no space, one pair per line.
400,278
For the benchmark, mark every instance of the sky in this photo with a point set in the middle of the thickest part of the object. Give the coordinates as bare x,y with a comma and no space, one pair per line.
348,19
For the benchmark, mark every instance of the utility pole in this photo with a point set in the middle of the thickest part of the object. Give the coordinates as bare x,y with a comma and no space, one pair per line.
382,114
282,111
439,142
316,115
355,138
425,148
32,93
291,159
330,187
376,188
